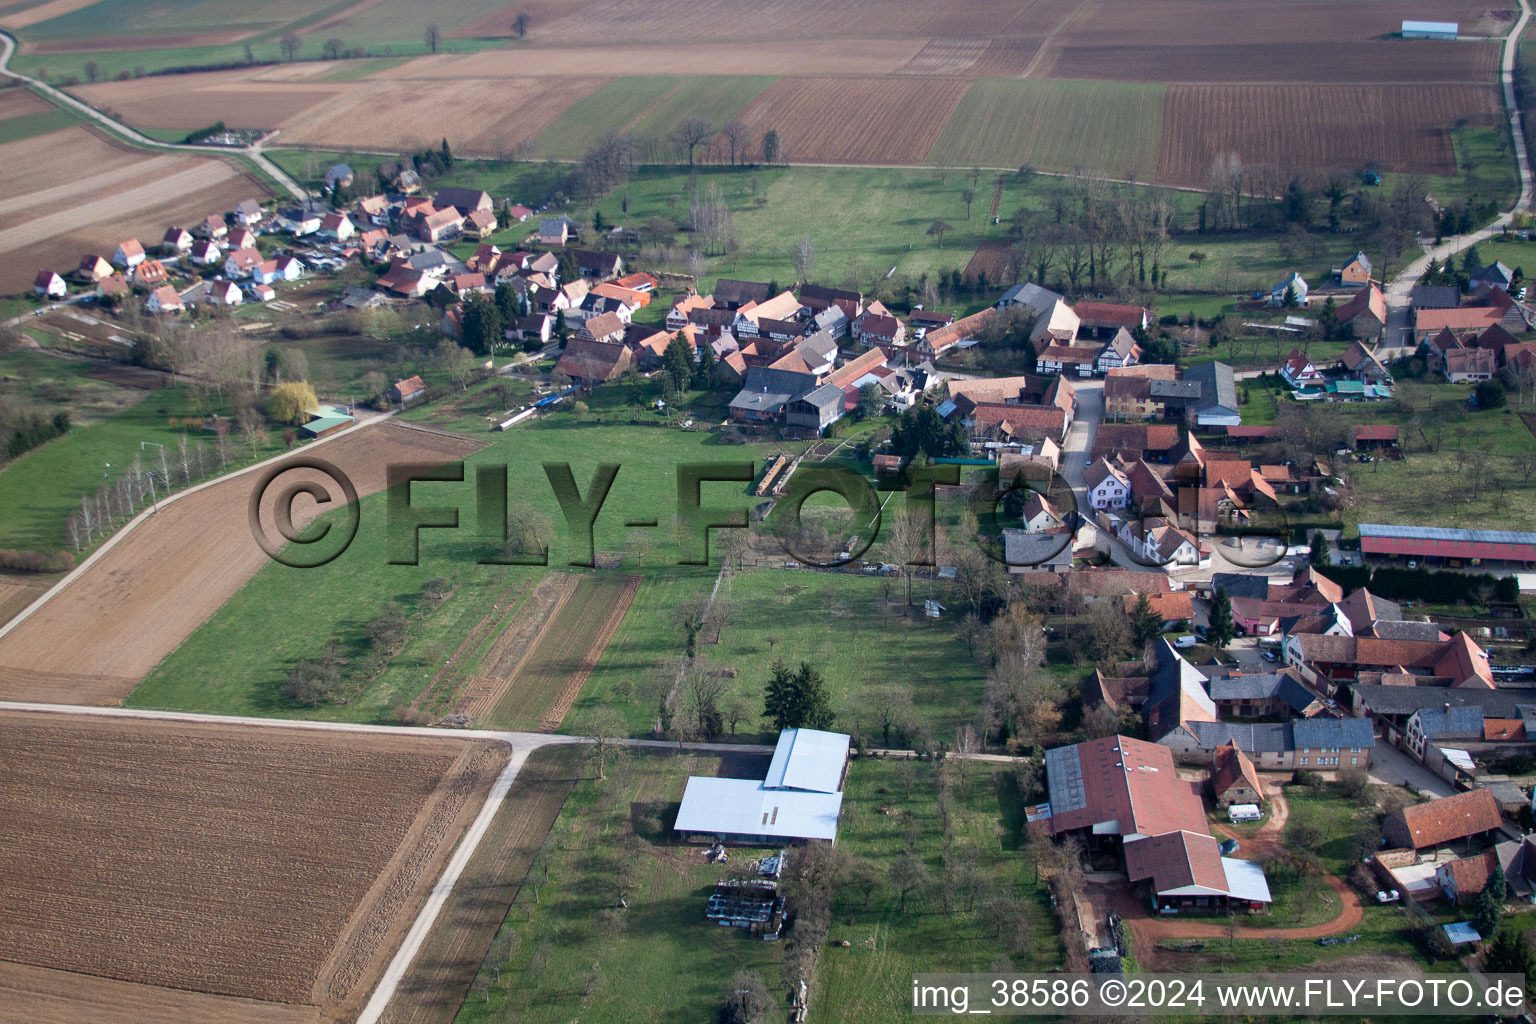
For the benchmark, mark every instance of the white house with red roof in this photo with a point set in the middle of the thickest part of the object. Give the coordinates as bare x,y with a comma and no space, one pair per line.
1299,372
164,300
49,284
128,254
241,263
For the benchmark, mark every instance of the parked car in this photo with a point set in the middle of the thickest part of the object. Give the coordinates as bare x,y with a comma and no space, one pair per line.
1186,641
1390,896
1269,656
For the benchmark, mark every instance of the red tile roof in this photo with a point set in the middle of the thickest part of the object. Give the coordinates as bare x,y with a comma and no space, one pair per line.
1134,783
1182,860
1231,767
1447,819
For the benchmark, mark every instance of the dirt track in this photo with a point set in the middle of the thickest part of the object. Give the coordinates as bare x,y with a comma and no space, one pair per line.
94,641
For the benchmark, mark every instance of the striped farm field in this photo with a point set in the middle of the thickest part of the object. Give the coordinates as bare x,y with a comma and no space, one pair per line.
855,120
551,675
610,109
1006,123
1401,128
716,99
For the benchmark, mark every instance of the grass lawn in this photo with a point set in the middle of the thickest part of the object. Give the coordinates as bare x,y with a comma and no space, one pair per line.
39,490
839,623
1434,488
657,960
237,660
1258,404
870,980
1006,122
716,99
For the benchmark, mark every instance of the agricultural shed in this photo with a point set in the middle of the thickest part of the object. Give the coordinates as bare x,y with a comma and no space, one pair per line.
800,798
1443,542
1430,29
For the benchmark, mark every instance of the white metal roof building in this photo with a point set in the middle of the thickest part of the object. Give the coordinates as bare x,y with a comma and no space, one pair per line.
808,759
800,798
1429,29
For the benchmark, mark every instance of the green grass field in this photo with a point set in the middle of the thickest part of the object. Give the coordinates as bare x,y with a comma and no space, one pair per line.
871,979
39,490
661,960
608,109
236,661
840,623
1006,122
715,99
14,129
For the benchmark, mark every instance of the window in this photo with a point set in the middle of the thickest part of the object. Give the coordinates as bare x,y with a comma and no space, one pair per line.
1354,760
1303,760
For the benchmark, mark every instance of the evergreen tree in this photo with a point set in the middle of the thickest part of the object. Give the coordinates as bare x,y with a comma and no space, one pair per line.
481,323
1328,320
1320,554
509,302
798,699
870,402
778,698
447,154
677,362
704,372
1471,260
1146,624
1510,953
1221,629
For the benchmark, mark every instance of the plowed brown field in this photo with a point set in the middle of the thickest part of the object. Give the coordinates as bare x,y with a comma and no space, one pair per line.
402,115
219,859
72,191
440,977
1402,128
878,120
1409,61
94,641
196,101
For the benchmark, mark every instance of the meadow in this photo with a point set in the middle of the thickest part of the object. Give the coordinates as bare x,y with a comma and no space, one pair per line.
109,424
1003,122
559,953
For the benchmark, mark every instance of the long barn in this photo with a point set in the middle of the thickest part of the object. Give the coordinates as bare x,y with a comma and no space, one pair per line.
1435,544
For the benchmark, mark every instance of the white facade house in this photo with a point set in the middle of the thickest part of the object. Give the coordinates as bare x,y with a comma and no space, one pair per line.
1107,486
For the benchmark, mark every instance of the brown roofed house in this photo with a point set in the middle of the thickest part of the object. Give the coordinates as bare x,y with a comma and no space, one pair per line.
1438,822
1234,780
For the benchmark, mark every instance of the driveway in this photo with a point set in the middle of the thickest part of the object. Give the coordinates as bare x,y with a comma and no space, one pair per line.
1392,767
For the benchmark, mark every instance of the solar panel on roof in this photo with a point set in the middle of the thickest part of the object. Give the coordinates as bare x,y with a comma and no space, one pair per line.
1445,534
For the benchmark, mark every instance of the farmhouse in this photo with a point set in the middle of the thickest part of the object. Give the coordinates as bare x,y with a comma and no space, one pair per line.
800,799
93,268
248,212
1298,370
1292,291
1365,314
176,240
1465,816
1354,273
590,363
1234,780
1118,791
465,200
164,300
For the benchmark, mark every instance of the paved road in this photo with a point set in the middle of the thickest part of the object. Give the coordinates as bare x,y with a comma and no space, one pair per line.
112,124
1392,767
522,744
1398,320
